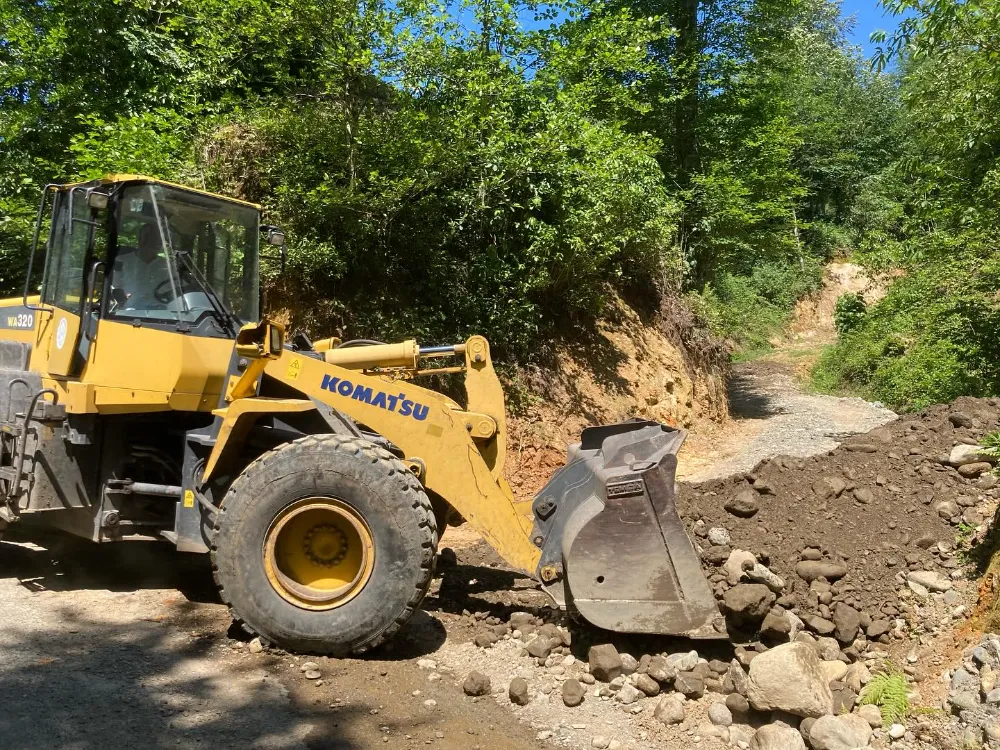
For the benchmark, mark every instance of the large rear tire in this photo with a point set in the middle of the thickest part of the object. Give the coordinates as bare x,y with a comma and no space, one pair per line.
325,545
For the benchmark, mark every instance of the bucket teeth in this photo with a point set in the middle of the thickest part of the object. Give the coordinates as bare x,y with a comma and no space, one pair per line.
614,549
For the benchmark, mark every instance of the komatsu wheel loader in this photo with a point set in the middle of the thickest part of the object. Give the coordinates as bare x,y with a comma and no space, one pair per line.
142,397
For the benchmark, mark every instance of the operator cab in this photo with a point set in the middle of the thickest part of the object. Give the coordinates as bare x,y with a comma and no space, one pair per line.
132,249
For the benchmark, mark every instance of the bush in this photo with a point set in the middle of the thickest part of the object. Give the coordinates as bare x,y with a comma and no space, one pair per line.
827,240
752,310
848,312
930,340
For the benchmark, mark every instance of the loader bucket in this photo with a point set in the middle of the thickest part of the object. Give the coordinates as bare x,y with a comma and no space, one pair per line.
614,550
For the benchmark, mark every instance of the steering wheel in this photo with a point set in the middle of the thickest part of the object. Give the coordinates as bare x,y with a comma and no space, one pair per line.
164,292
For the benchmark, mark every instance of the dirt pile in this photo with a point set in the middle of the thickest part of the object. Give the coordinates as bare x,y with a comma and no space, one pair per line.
875,516
663,367
825,567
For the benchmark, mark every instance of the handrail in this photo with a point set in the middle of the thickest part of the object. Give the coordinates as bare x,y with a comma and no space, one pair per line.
34,249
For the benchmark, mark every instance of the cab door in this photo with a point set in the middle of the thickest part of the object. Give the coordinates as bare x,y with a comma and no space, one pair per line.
70,258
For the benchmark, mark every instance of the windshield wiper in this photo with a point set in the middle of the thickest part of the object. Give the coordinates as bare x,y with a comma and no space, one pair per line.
218,308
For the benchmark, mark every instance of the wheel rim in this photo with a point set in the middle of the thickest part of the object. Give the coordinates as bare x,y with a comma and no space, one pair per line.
318,553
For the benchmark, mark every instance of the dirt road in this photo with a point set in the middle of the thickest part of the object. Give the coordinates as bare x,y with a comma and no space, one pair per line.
128,647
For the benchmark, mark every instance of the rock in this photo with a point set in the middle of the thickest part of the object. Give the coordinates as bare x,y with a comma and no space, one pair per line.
476,684
871,714
719,536
960,419
312,674
670,709
829,487
256,646
485,639
929,579
878,628
963,454
789,678
810,570
518,692
683,662
737,704
689,684
748,602
820,625
847,622
946,509
628,694
540,647
745,504
864,496
736,565
629,664
896,731
661,670
573,693
776,627
777,737
839,733
843,698
827,648
971,471
720,715
647,684
857,676
833,670
715,555
763,574
735,680
605,662
740,736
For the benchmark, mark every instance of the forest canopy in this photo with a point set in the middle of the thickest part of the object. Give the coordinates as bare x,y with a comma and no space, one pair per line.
503,167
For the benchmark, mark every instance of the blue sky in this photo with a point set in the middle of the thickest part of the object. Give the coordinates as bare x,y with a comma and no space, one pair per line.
870,16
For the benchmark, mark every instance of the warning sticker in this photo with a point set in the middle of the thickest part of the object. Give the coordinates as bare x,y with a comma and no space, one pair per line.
294,368
188,499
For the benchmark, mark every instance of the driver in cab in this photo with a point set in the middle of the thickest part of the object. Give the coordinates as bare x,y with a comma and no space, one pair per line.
142,271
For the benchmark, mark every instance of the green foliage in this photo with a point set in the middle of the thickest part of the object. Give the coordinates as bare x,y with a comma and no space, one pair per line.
752,310
888,691
459,166
848,312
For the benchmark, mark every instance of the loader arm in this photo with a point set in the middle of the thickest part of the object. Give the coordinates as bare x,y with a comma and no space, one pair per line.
461,451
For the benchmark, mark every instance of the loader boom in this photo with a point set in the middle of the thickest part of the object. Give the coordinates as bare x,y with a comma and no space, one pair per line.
460,451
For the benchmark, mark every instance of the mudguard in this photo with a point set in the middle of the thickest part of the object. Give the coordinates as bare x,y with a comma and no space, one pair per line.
614,549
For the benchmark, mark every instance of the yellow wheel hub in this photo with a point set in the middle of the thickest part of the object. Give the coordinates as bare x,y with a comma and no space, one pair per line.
318,553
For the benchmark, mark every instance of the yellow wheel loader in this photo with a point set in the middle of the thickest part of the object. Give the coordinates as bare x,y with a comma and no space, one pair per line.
142,397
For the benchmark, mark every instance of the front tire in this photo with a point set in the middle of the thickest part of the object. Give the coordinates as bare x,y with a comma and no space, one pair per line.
325,545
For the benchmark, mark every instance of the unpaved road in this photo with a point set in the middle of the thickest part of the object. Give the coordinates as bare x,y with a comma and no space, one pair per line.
774,416
128,647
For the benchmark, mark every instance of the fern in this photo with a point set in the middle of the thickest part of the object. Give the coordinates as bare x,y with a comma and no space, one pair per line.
888,691
991,443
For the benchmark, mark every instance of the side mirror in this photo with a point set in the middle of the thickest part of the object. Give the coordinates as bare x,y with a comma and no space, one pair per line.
263,340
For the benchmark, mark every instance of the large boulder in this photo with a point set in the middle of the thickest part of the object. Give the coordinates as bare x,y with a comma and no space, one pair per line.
605,662
844,732
789,678
777,737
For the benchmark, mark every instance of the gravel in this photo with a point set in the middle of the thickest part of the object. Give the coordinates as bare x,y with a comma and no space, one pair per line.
793,423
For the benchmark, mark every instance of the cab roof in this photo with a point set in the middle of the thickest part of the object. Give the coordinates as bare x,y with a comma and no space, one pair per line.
114,179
